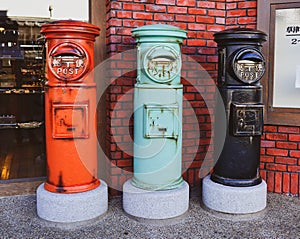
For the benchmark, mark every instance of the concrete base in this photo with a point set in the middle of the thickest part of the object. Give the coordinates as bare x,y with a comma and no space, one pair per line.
235,200
75,207
164,204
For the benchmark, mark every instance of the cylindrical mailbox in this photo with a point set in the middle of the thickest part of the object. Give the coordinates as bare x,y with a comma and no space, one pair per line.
70,100
158,108
240,68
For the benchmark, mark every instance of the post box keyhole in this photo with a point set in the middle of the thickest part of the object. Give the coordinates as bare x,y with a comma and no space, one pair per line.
154,121
241,123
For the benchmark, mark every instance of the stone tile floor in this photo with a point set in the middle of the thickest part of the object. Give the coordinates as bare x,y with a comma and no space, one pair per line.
18,188
281,219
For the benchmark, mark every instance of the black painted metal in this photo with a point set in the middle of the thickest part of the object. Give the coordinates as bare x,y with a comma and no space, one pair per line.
241,65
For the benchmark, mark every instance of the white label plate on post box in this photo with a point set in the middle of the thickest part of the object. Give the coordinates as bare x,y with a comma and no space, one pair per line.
161,121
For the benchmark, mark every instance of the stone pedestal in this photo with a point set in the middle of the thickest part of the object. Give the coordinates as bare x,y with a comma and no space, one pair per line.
75,207
235,200
164,204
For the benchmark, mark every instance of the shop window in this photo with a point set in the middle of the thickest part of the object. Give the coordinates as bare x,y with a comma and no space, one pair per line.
22,78
22,64
280,19
22,140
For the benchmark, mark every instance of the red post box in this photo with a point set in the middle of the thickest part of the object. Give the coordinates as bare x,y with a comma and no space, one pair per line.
70,103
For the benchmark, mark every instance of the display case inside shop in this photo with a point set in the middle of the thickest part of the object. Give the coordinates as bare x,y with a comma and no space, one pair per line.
22,137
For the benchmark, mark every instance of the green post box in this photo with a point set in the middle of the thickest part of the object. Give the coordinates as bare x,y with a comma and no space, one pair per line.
158,108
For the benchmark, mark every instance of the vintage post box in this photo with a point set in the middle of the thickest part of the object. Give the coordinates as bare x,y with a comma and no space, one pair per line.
70,100
240,68
158,108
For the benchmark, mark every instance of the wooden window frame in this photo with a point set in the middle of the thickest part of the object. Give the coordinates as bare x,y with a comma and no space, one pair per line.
266,22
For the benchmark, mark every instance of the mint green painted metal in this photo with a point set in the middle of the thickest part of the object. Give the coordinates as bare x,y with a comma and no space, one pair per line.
158,108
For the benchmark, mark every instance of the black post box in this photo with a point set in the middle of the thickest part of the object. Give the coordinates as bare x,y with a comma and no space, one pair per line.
240,68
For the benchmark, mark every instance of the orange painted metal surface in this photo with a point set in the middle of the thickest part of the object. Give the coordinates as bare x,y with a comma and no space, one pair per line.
70,100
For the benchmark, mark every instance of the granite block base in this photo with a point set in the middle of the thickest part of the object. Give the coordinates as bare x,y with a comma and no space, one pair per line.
235,200
164,204
75,207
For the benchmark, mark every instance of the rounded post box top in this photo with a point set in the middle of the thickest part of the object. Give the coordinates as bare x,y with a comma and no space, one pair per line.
236,34
69,29
152,33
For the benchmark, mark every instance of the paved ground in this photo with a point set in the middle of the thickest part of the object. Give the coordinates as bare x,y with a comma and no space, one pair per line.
18,188
281,219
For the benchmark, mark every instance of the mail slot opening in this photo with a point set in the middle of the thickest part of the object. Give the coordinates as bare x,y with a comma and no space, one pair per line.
162,64
248,65
68,61
251,56
68,53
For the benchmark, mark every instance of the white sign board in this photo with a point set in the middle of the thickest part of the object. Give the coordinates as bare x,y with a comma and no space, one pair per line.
286,92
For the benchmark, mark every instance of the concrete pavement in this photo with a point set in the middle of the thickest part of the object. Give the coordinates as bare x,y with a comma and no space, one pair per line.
281,219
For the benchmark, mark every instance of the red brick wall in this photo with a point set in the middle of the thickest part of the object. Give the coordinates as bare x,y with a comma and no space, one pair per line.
280,159
280,156
241,13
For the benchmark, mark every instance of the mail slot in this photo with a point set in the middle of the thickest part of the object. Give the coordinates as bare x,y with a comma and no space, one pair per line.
70,100
68,61
248,65
241,66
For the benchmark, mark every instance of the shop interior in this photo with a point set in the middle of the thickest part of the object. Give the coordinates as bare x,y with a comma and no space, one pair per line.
22,64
